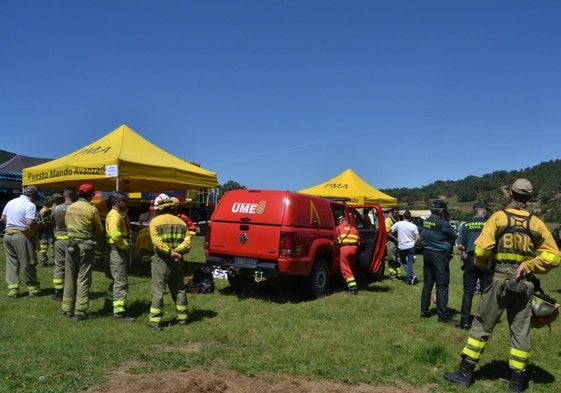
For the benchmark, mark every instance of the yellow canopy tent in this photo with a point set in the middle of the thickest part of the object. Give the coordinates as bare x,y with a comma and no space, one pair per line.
121,160
348,185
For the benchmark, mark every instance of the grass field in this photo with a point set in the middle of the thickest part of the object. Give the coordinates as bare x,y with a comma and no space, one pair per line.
376,336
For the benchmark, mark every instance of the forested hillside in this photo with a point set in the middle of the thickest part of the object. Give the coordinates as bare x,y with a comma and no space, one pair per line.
461,194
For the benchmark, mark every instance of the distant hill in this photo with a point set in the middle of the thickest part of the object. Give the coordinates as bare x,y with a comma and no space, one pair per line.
461,194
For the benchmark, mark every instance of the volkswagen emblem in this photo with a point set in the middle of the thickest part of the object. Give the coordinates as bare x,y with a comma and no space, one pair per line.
243,238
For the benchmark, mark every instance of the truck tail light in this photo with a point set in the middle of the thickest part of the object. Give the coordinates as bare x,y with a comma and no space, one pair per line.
287,245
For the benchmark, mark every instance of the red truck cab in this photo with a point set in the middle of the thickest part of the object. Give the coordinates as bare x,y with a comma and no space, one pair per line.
255,234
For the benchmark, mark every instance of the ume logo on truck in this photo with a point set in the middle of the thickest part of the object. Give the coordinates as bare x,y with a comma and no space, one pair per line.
249,208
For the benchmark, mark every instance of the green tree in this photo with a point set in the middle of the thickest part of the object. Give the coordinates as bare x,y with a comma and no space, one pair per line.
230,185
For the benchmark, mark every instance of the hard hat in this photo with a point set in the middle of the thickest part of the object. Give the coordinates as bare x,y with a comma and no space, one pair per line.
544,311
160,198
165,203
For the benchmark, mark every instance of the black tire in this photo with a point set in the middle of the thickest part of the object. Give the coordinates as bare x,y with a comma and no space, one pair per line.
318,282
239,282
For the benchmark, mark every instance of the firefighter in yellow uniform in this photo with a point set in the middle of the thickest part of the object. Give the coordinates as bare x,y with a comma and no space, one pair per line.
85,235
395,270
101,259
70,195
171,240
516,243
118,231
144,248
45,231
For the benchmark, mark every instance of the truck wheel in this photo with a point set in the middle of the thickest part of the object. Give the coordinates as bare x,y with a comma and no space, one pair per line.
317,283
239,282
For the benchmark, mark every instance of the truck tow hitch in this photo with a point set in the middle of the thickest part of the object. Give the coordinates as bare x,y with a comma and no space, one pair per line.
258,277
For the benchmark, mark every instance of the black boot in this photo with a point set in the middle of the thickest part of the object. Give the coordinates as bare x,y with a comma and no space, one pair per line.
57,295
518,381
464,375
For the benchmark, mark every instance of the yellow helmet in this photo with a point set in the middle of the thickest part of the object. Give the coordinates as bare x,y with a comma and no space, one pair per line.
544,310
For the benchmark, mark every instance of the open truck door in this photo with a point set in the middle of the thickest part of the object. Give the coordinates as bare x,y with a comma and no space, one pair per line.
369,220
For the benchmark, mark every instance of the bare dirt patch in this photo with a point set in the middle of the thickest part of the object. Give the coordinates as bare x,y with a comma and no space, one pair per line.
122,380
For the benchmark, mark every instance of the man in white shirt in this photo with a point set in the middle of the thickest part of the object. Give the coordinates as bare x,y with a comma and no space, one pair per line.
407,236
20,217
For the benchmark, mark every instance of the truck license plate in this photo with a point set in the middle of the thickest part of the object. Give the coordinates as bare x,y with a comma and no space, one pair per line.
245,262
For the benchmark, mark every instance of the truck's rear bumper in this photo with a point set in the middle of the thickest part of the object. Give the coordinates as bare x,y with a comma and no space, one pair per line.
266,268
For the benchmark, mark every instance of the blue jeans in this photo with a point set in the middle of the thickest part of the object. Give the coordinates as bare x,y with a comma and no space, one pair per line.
407,258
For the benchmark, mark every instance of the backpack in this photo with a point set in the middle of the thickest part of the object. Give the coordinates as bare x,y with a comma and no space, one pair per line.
556,235
517,224
202,281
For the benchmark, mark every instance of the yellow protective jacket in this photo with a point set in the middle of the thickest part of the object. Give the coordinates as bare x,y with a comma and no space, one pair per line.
143,240
169,232
103,207
537,252
82,222
389,222
45,216
118,229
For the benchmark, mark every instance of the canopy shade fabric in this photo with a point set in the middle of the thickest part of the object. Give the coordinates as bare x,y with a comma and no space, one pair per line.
121,160
350,186
10,171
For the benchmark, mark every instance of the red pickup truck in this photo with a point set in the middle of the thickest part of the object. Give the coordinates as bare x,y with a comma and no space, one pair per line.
256,234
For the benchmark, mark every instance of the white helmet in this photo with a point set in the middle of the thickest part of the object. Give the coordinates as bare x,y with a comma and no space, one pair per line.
160,198
544,310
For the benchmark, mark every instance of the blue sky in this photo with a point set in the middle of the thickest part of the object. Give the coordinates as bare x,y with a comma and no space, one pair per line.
288,94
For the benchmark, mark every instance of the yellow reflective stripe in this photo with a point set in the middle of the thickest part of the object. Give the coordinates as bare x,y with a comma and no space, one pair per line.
475,343
58,283
118,306
181,308
156,315
61,237
551,257
508,257
517,365
482,252
519,353
471,354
